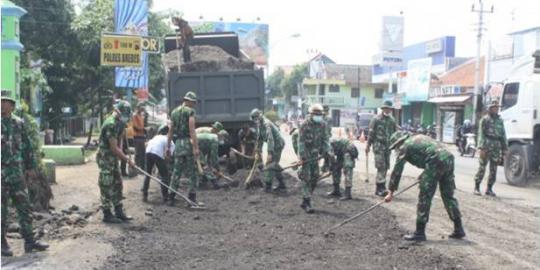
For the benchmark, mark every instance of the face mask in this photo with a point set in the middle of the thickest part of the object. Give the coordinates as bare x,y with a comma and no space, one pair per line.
317,118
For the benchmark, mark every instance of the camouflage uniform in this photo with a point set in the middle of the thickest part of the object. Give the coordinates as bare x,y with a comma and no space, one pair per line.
184,161
294,139
269,133
248,141
110,182
491,139
313,142
201,130
381,128
346,153
438,164
17,156
208,148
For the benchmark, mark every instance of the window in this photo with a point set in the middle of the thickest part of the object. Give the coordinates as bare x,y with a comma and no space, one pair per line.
355,92
334,88
379,93
322,89
311,91
510,95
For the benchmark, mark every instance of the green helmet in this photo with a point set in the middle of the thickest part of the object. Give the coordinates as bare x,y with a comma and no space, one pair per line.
8,98
218,126
255,114
223,137
387,105
190,96
397,138
124,108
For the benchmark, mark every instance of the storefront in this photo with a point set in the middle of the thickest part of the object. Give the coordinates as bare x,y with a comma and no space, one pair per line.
452,106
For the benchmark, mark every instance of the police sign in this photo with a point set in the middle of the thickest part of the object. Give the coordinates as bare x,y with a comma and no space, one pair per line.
121,50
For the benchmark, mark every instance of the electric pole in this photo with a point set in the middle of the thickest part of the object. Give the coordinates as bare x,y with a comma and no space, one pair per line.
480,12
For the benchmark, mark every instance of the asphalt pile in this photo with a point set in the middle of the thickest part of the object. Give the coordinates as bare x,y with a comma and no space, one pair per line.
206,58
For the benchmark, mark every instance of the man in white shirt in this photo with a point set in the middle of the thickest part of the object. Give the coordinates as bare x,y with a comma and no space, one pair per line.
155,155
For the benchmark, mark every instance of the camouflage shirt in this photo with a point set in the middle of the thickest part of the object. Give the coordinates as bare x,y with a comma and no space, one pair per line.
381,128
313,140
342,146
294,138
201,130
328,122
249,138
421,151
491,133
208,147
270,134
180,121
17,153
111,128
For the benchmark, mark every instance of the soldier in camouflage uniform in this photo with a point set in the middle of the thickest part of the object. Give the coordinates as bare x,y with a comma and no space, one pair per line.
438,164
492,145
313,142
269,133
208,147
328,130
248,138
294,138
186,149
17,159
109,153
381,128
215,128
346,153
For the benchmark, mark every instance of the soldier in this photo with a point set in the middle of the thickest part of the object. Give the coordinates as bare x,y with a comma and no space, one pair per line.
208,147
492,145
186,146
327,120
215,128
247,137
438,164
346,153
313,142
381,128
155,155
17,160
269,133
109,152
294,138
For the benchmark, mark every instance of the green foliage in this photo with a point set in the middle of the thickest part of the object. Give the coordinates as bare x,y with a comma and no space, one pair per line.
274,82
272,116
290,84
157,27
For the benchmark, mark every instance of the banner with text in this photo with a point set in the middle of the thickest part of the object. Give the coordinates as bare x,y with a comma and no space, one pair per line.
120,50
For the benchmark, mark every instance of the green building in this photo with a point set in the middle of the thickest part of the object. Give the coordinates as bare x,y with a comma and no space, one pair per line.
11,48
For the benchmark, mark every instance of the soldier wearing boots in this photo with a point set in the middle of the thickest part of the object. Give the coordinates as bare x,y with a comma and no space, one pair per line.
313,142
346,153
17,159
438,164
248,138
186,149
208,147
381,128
269,133
109,153
155,155
492,145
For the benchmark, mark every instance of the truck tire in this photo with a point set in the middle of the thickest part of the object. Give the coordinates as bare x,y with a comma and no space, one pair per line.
516,166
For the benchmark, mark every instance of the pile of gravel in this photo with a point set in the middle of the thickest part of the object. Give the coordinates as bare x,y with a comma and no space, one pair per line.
206,58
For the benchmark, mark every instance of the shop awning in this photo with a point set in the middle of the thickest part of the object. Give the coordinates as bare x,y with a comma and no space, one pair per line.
449,99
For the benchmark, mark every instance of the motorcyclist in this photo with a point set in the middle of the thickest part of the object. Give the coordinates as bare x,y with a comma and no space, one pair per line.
464,129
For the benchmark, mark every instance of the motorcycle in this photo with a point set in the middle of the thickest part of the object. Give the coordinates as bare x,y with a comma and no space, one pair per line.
470,145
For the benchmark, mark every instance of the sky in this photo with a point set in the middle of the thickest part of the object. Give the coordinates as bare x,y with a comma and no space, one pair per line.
349,31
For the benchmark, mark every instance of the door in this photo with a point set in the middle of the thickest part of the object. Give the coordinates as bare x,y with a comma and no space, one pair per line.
449,123
335,118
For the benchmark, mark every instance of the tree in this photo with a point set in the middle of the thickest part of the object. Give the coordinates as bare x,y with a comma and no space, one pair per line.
157,28
290,84
274,82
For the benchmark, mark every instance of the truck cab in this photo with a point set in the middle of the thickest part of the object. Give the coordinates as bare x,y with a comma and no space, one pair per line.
520,111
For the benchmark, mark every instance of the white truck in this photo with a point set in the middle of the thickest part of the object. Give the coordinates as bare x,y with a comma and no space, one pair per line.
520,111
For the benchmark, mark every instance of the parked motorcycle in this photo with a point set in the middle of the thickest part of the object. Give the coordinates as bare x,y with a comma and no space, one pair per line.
469,147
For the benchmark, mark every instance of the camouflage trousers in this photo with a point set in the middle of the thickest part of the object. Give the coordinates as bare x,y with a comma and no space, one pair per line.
345,165
185,165
13,188
273,170
309,174
110,182
382,163
442,173
493,163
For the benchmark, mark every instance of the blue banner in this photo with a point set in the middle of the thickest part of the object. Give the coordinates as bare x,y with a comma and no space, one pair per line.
131,18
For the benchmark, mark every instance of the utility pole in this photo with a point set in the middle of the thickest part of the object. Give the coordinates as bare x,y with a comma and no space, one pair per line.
480,12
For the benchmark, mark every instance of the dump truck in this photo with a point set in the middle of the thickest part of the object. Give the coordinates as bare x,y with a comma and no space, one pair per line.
520,111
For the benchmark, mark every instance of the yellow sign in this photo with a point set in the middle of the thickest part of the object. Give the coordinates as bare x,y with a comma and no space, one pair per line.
150,45
121,50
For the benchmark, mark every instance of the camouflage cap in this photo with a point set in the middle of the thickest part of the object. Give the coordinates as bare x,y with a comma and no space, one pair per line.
397,138
8,98
493,103
387,104
316,108
255,114
218,125
191,96
123,107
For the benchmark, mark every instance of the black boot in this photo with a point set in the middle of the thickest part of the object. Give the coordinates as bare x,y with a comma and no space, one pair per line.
489,191
381,190
418,235
171,199
192,196
335,192
267,187
306,205
477,189
119,211
6,251
458,230
347,194
31,245
109,218
281,185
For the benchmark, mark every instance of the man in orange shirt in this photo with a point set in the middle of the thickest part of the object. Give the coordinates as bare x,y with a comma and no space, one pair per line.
139,137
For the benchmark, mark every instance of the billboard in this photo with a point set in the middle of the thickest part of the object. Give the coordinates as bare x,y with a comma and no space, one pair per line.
120,50
392,33
131,18
418,79
253,37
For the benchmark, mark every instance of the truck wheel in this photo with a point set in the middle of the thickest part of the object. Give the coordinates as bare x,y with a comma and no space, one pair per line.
515,166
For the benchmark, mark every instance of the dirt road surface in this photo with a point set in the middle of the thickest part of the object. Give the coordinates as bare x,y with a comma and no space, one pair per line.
253,230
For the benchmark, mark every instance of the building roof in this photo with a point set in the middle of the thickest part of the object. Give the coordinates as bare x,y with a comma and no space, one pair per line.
322,57
462,75
352,74
525,30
